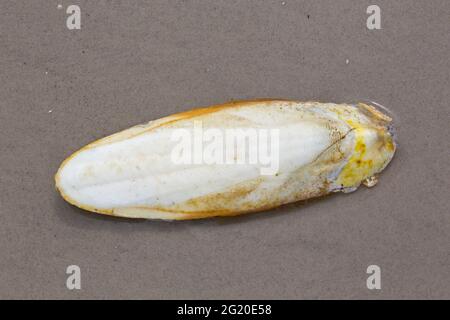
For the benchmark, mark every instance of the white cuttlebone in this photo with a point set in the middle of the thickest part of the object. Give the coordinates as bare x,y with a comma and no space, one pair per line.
128,174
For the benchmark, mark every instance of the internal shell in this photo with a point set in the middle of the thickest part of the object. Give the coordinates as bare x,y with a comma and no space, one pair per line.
323,148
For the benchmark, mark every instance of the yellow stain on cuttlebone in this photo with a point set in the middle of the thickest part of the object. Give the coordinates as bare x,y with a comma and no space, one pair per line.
357,167
366,160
